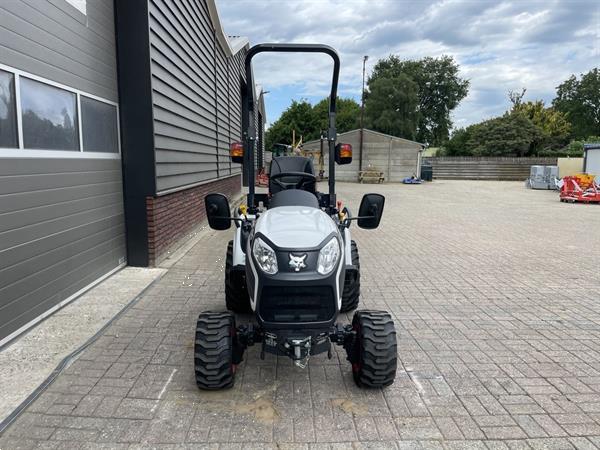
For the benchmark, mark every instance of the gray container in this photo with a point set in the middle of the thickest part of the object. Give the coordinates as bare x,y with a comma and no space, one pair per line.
537,178
551,175
537,172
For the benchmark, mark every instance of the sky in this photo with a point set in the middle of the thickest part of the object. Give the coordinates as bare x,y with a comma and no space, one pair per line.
499,45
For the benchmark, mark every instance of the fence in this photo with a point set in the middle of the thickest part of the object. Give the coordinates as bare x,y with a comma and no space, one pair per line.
484,168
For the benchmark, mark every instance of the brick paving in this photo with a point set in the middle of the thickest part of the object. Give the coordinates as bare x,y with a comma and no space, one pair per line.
496,298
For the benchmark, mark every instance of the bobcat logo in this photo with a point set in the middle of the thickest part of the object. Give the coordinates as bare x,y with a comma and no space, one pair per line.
297,262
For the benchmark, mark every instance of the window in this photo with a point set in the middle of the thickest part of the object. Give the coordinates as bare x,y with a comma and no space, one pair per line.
49,117
99,126
42,118
8,111
81,5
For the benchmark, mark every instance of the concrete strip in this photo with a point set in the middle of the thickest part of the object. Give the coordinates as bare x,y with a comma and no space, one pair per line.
26,363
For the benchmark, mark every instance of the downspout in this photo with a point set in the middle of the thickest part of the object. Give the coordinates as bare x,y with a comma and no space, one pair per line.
419,161
389,164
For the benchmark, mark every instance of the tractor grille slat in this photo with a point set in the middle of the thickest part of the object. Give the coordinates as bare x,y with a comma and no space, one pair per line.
297,304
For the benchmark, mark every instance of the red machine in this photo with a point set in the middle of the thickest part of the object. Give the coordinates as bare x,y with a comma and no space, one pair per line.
575,189
262,179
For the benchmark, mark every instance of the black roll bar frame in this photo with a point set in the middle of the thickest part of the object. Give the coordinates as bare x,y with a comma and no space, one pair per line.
250,133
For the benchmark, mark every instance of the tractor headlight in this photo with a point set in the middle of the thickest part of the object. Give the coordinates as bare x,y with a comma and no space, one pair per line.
265,256
328,257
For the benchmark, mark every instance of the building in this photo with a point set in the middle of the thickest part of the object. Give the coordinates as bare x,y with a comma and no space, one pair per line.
591,159
115,120
396,157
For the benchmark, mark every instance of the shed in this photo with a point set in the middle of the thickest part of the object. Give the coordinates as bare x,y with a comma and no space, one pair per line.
591,159
396,157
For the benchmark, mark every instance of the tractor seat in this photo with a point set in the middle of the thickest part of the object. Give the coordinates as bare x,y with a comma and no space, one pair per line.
282,164
294,197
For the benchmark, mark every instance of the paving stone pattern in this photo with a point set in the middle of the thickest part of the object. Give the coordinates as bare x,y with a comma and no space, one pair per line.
496,295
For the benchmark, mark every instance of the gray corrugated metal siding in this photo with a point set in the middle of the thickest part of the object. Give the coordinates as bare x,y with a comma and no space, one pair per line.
69,48
61,227
195,95
61,220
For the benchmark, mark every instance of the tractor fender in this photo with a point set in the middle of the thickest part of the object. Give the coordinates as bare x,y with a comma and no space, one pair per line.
347,247
239,257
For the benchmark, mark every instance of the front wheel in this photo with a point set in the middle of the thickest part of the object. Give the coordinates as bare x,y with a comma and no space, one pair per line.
375,352
213,350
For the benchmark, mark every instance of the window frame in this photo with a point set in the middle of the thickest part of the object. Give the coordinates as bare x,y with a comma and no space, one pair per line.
21,152
16,88
80,119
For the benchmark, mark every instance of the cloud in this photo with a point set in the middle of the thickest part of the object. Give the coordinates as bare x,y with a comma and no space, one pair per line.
500,45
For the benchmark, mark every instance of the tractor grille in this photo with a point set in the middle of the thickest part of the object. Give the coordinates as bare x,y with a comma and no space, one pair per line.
297,304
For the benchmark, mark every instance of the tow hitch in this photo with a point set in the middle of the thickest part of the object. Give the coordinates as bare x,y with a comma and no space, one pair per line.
299,349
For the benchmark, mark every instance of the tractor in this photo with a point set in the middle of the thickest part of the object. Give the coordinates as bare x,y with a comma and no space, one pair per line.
292,264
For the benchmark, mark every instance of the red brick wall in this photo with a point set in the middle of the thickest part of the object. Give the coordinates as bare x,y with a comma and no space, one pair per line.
172,216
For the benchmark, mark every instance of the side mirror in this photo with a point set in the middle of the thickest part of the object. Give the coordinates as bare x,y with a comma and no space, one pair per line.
370,211
217,211
343,154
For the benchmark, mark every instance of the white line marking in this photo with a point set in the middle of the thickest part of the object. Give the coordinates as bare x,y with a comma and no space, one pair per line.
413,377
163,390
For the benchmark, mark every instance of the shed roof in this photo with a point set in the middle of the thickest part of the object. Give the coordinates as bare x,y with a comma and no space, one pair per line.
378,133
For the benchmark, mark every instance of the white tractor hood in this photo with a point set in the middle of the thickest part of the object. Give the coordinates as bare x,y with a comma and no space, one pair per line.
295,226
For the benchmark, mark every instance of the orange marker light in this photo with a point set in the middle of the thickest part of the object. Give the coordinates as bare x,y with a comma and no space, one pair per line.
345,151
236,151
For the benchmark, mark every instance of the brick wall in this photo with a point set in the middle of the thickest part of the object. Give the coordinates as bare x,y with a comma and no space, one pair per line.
172,216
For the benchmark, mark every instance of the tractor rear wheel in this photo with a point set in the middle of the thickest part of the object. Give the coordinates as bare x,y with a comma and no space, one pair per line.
213,350
236,293
351,293
375,353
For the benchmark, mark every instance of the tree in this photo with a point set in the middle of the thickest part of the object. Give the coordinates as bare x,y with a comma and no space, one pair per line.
439,91
580,101
310,121
574,149
516,98
299,117
346,118
509,135
392,106
457,145
554,127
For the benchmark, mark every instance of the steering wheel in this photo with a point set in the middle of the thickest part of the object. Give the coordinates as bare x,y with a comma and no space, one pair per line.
305,178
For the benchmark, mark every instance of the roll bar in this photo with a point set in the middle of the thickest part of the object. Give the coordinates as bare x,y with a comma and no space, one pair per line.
250,133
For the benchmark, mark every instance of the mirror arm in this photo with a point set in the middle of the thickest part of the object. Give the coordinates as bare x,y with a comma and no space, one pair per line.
230,218
359,217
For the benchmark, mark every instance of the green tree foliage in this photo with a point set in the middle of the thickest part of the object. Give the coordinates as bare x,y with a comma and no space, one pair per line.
545,130
392,106
509,135
439,91
580,101
573,149
299,117
457,145
310,121
346,118
554,127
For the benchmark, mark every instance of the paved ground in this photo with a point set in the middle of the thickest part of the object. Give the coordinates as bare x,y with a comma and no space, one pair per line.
497,302
27,362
